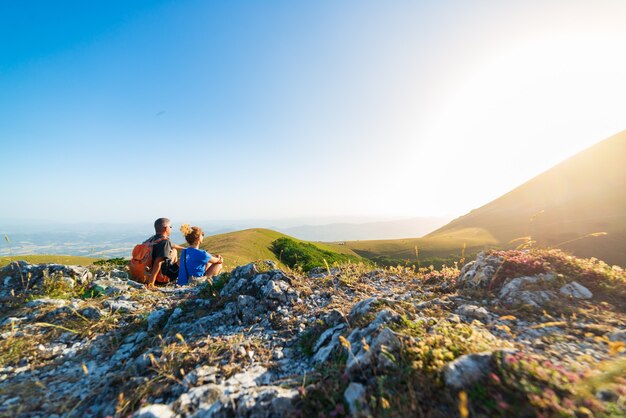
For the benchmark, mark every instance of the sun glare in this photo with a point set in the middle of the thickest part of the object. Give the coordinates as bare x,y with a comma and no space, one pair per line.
523,111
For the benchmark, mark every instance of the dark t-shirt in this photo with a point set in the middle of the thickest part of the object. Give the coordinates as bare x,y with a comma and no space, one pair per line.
162,249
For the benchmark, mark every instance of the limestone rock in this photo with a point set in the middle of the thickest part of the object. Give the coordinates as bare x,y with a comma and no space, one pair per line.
467,369
155,411
478,273
121,305
362,308
575,290
119,274
156,318
514,290
356,398
326,344
47,301
474,312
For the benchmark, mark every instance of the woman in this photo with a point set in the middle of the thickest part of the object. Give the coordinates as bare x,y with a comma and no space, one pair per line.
194,262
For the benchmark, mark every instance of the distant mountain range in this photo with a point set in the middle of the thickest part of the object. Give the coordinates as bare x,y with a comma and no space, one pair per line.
345,231
107,240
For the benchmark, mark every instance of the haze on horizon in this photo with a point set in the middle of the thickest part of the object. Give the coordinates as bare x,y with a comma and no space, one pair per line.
125,111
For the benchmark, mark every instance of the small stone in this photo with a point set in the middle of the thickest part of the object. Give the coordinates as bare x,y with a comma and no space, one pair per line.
120,305
478,273
119,274
257,375
333,318
91,313
155,411
467,369
362,308
514,290
355,397
618,336
454,318
46,301
473,311
606,395
156,318
575,290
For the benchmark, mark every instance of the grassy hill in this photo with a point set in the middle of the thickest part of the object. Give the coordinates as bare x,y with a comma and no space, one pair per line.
562,207
434,250
249,245
58,259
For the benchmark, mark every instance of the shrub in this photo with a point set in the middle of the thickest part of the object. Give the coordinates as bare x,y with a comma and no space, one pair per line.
305,255
212,288
119,261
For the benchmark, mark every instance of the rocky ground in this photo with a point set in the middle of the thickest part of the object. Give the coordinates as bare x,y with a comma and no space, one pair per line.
512,334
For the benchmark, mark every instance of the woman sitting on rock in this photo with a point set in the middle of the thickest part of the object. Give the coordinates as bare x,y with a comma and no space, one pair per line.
195,263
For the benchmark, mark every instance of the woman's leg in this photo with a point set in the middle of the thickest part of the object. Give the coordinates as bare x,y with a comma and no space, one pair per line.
213,269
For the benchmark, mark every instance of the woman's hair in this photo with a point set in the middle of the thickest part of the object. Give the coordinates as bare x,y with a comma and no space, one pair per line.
191,233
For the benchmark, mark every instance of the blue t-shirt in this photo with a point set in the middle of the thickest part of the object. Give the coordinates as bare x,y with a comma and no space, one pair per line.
195,260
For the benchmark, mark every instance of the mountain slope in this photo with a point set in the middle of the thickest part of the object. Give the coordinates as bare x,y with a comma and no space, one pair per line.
249,245
583,195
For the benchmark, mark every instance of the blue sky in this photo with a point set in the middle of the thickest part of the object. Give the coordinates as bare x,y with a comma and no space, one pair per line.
122,111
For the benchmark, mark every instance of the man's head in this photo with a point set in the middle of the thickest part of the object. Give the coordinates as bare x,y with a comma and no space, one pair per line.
163,226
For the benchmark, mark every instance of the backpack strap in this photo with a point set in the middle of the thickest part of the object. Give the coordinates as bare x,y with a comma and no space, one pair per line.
185,261
152,242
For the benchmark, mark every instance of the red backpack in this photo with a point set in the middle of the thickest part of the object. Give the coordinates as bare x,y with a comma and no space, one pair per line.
141,262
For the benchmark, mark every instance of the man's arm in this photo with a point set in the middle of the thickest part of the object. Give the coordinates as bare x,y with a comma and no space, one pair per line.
155,270
177,247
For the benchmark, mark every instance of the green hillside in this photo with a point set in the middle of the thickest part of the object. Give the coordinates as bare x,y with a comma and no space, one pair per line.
242,247
564,207
44,258
438,250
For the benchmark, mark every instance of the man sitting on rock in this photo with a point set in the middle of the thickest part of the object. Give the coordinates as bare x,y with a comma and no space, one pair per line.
164,255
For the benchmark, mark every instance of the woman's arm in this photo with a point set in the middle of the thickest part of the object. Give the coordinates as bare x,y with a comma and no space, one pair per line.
216,260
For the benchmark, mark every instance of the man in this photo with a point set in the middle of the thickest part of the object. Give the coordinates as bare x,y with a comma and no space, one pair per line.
164,255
